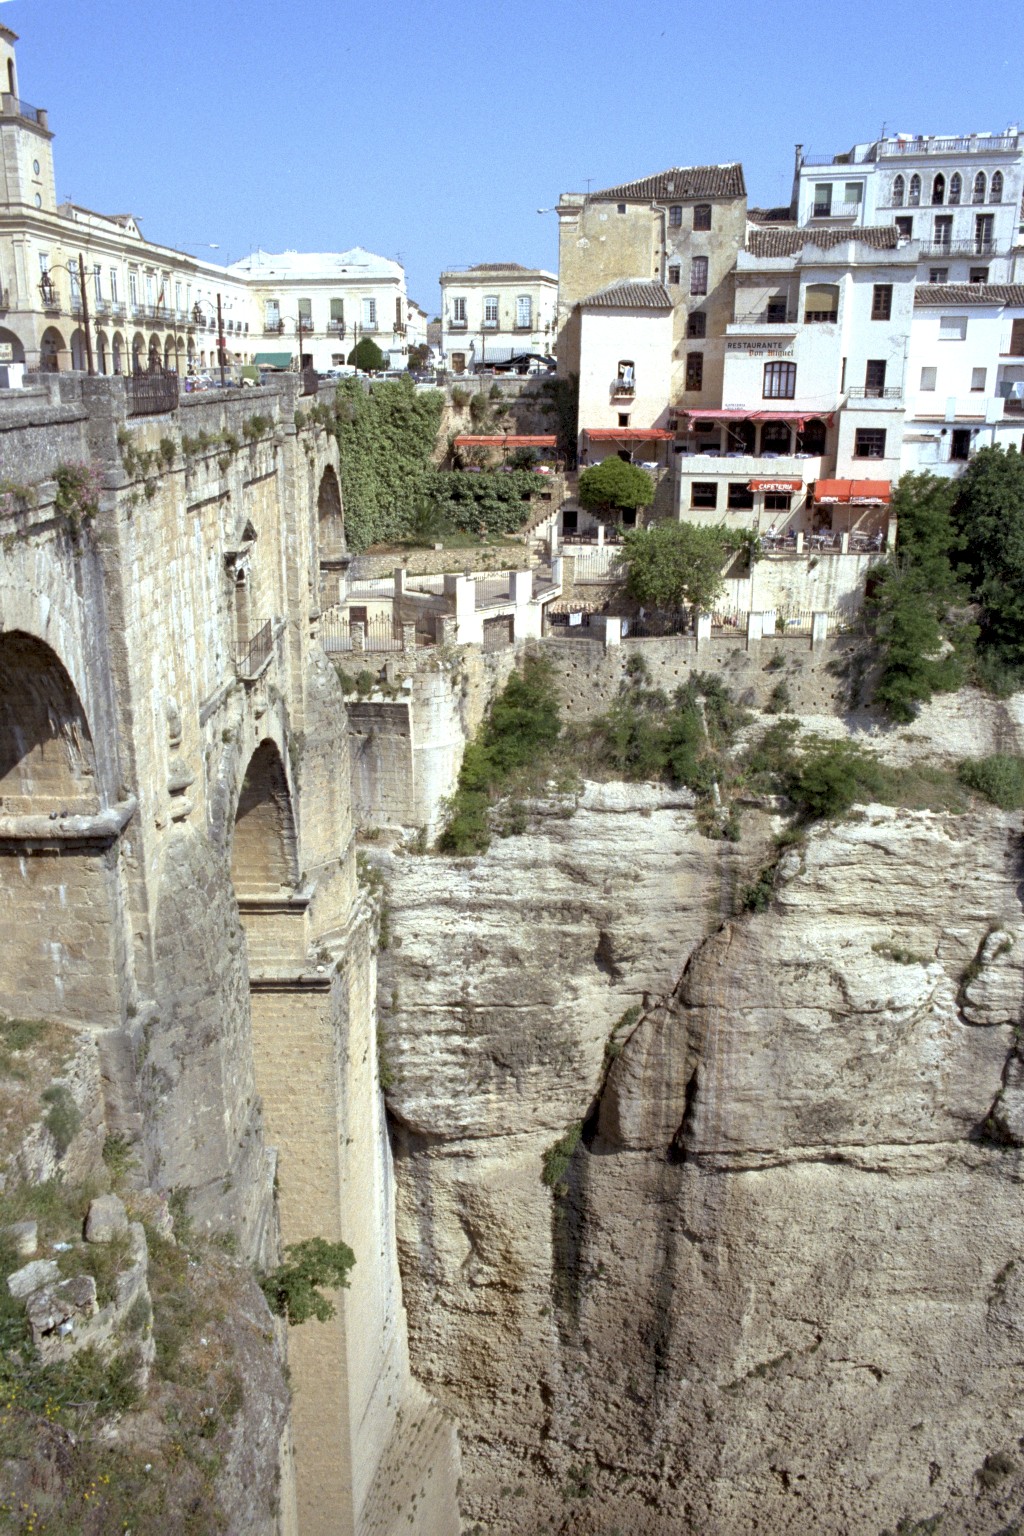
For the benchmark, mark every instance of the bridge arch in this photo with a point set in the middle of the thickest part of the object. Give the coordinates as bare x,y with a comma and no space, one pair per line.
263,850
63,952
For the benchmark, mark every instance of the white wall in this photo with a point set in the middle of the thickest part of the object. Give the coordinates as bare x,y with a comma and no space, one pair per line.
611,336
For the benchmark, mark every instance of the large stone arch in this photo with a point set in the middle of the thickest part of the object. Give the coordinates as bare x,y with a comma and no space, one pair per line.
79,359
117,353
62,953
17,346
52,349
102,352
263,847
330,522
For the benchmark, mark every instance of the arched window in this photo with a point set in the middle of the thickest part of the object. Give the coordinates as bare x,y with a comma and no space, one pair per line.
899,191
939,189
915,191
10,77
955,187
978,195
996,193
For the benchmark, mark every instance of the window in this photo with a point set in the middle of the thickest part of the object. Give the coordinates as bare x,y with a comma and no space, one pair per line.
625,375
777,501
978,275
853,192
978,192
490,312
702,216
623,419
177,297
811,438
905,228
620,207
704,493
822,199
928,378
955,187
675,216
960,447
881,301
952,327
741,496
779,381
775,437
272,314
874,378
821,304
97,285
978,381
869,443
370,314
1017,338
983,227
458,312
337,313
695,370
73,274
524,312
673,275
899,192
113,285
915,191
777,310
697,324
939,189
306,312
996,193
133,289
398,313
150,288
938,274
699,275
942,230
44,263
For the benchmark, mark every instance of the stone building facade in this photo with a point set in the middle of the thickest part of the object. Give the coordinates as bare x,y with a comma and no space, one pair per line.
493,311
177,868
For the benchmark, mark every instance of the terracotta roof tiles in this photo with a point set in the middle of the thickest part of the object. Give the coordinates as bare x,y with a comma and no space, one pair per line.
682,182
635,293
929,294
787,242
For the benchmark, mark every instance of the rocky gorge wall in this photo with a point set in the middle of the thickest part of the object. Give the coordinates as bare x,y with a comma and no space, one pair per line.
777,1284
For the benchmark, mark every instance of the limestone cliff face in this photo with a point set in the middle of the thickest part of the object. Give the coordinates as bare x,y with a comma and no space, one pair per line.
779,1286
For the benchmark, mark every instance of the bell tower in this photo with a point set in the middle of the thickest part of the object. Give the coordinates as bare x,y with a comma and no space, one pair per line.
26,143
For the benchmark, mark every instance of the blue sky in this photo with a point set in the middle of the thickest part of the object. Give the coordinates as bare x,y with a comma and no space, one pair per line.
434,131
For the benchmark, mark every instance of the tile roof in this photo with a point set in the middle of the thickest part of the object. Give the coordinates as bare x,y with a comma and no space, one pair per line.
787,242
631,293
970,293
771,215
681,181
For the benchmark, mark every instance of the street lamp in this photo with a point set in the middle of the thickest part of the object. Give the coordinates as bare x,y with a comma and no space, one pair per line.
49,296
197,316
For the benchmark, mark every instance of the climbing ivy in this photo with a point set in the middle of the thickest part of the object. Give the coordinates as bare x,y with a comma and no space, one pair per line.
386,439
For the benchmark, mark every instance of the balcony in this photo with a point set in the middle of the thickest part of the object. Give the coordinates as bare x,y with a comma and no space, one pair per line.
772,314
273,327
1004,143
875,392
837,211
752,466
1013,405
336,327
11,106
455,325
622,389
821,317
974,247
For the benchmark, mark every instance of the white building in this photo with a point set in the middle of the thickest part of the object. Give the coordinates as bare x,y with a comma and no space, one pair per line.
329,301
957,198
965,374
625,346
492,312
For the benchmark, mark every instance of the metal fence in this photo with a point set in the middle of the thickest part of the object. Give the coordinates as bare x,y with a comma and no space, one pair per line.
151,394
497,588
793,622
655,627
340,633
257,652
599,564
371,586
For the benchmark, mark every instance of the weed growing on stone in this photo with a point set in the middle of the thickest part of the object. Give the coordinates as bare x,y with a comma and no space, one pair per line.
556,1160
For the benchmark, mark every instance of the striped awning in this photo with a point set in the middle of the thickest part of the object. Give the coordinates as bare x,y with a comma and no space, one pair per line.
506,440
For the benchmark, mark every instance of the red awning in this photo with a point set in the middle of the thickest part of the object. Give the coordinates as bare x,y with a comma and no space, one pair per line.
775,485
800,417
628,434
856,493
507,440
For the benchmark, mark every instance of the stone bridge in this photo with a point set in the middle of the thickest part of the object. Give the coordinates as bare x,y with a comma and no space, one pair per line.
177,872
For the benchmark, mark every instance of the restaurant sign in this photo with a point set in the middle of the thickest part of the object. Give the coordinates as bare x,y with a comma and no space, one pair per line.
775,485
759,348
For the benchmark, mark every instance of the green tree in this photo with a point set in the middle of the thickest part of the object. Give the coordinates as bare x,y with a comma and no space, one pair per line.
988,516
613,485
419,357
911,598
367,355
294,1289
673,564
